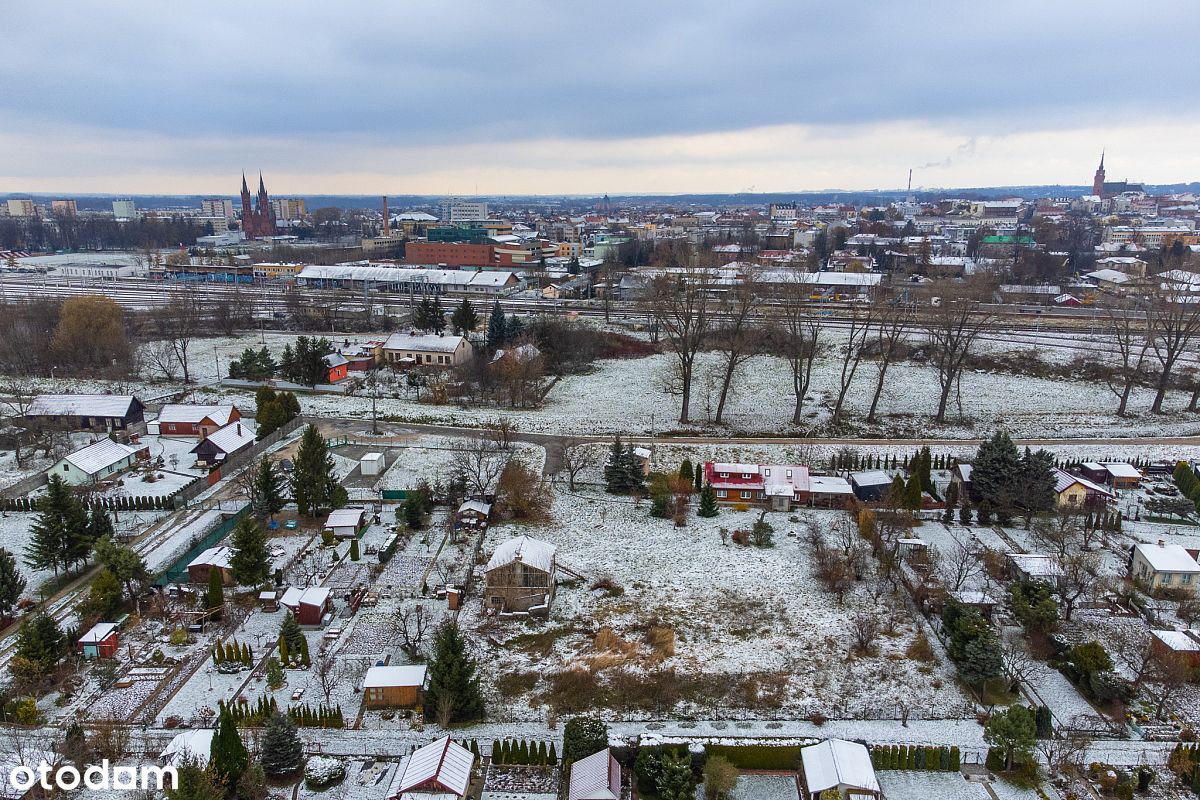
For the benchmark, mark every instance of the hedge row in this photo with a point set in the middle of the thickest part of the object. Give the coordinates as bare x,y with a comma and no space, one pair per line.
123,503
757,756
908,757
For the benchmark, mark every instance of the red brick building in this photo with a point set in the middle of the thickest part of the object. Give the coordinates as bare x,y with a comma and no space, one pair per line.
259,220
452,254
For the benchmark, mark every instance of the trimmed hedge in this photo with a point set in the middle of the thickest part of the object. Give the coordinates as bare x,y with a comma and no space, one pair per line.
757,756
906,757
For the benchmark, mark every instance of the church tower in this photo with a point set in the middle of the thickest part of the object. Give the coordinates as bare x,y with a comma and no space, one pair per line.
1098,181
258,220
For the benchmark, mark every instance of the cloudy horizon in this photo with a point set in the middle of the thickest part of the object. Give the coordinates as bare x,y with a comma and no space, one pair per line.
534,98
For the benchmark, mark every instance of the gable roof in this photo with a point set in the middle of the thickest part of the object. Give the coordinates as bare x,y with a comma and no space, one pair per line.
98,633
530,552
1065,480
836,762
99,455
194,414
404,675
81,405
424,342
345,517
230,439
195,744
441,763
219,556
597,777
1164,557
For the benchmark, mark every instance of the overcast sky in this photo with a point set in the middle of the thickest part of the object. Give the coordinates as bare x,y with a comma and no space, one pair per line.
518,97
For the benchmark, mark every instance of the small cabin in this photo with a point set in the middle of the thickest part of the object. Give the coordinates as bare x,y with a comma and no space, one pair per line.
101,641
345,523
219,558
597,777
392,687
309,606
372,464
441,770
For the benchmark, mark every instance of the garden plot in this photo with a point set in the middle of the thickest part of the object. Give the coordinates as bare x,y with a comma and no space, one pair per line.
930,785
365,780
732,610
767,787
431,460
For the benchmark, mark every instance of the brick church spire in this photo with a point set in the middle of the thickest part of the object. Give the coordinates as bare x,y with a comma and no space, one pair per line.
1098,181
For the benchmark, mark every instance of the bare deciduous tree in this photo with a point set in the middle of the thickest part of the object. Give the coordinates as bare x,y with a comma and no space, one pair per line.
329,674
678,301
891,331
413,621
737,338
1173,319
481,461
858,329
865,627
1080,576
800,333
952,326
960,565
576,456
1132,345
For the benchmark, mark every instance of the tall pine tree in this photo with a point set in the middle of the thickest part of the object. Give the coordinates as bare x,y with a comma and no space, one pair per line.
268,489
60,532
708,502
464,319
228,757
497,329
313,477
282,751
12,582
453,694
250,563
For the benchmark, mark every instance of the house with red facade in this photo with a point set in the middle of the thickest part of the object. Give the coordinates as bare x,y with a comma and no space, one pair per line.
181,419
779,487
309,606
101,641
337,367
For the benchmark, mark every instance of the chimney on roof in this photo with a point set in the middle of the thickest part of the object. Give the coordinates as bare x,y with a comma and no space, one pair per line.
1162,543
239,429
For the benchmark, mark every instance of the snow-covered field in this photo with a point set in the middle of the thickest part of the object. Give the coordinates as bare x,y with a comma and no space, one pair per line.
733,610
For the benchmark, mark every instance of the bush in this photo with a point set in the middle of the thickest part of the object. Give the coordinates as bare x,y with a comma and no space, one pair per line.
757,756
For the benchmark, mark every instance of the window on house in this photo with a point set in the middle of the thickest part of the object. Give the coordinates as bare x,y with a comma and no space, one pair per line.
723,474
722,493
767,472
747,475
1186,579
789,473
66,467
747,495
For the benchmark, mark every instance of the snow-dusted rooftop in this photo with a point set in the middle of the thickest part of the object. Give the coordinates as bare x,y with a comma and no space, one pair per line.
196,744
829,484
345,518
1119,469
193,414
530,552
100,455
405,675
74,405
440,764
597,777
1163,557
424,342
218,556
98,633
834,763
1179,641
230,439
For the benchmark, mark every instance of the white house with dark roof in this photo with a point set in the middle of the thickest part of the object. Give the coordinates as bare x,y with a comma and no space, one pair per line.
105,412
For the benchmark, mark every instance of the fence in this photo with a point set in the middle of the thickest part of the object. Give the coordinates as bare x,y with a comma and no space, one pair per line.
24,486
192,490
176,572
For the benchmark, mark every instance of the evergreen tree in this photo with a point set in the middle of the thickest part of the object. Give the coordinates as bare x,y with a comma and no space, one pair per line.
40,642
228,757
99,524
268,488
274,674
708,502
1036,485
354,555
699,478
996,476
453,683
676,780
194,782
513,328
464,319
282,750
313,476
685,470
965,512
290,633
12,582
215,596
582,737
912,493
287,364
897,496
60,532
951,503
615,480
497,329
1013,731
304,658
250,563
437,317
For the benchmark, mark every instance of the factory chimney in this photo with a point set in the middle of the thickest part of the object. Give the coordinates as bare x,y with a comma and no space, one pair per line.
387,231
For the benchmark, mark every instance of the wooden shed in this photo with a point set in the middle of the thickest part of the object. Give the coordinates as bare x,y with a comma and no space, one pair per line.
389,687
101,641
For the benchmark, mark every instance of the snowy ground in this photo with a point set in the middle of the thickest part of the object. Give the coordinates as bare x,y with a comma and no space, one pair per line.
733,610
766,787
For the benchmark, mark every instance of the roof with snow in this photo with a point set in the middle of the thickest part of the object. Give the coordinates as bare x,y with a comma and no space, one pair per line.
745,469
218,556
1121,470
99,456
438,765
80,405
829,484
477,506
530,552
871,477
1179,641
1163,557
194,744
1065,480
406,675
334,360
294,597
424,342
1036,565
345,518
597,777
1108,276
99,632
230,439
193,414
836,763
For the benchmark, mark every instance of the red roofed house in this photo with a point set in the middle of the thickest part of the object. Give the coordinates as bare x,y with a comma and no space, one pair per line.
178,419
779,487
440,769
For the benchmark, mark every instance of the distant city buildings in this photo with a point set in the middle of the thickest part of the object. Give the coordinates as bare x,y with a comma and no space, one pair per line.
258,220
124,209
462,213
216,207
